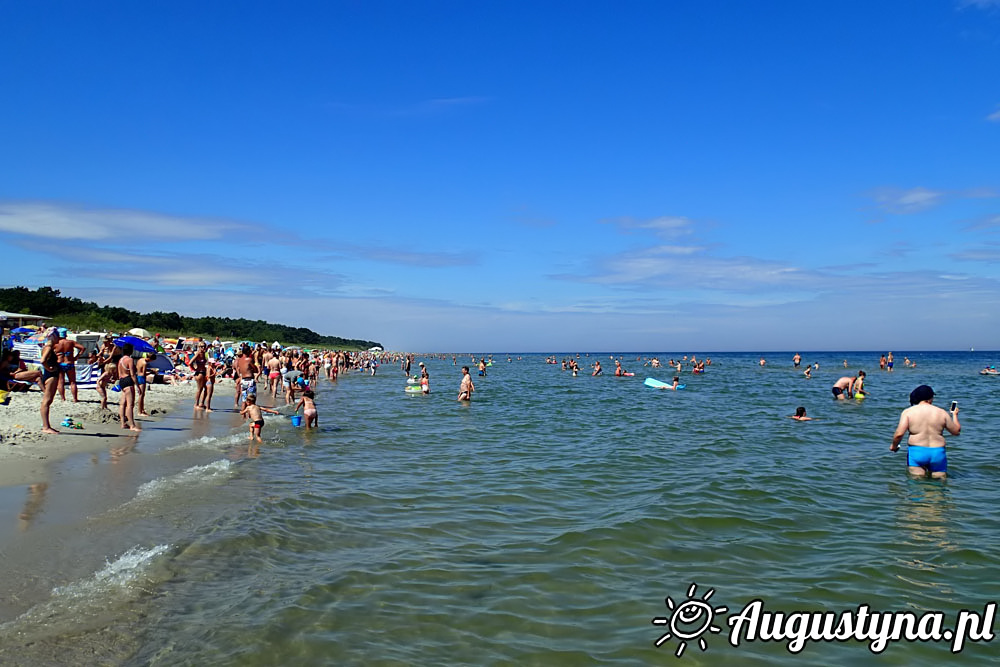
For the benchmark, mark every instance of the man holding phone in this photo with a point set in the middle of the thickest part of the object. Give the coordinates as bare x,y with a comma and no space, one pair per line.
926,425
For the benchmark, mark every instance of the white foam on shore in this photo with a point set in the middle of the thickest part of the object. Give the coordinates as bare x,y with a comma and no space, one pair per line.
209,442
81,603
194,475
116,576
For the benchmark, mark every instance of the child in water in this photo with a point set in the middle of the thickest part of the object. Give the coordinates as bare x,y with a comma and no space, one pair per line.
308,408
252,411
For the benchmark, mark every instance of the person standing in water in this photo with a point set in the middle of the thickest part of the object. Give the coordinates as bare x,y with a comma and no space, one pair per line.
844,387
425,379
925,423
466,388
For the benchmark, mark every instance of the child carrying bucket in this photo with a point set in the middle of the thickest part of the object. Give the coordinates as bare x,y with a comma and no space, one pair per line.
309,408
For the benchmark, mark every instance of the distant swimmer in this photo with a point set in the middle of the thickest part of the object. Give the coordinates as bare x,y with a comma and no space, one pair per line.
926,424
619,371
797,359
808,372
762,362
800,415
466,388
844,387
888,362
597,368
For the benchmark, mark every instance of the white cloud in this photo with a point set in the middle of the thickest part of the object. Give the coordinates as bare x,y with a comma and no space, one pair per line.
903,202
679,267
979,4
71,223
664,226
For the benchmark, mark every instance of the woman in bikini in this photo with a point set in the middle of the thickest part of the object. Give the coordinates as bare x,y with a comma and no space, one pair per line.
66,351
50,376
199,365
308,406
127,384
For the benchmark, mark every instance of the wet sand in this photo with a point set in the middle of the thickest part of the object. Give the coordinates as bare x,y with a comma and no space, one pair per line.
26,453
65,513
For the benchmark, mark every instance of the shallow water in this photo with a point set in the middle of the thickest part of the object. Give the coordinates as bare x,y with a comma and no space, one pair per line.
544,523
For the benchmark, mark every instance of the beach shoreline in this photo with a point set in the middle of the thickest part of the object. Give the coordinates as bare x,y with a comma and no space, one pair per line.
27,454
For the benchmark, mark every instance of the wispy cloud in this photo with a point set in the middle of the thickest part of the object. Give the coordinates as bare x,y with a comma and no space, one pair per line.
666,226
987,253
994,117
898,201
143,265
990,223
428,107
404,256
979,4
904,202
72,223
681,267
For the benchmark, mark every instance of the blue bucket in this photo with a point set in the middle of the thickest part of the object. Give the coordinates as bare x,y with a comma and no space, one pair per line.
296,420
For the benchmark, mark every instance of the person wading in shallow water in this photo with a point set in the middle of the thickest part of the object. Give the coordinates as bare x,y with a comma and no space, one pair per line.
926,424
466,388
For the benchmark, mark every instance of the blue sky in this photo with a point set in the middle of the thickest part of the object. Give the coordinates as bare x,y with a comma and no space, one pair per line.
525,176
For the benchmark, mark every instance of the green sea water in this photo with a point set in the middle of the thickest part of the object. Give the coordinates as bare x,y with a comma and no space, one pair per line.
546,522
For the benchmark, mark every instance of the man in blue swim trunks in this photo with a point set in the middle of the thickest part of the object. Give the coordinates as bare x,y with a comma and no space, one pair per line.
926,425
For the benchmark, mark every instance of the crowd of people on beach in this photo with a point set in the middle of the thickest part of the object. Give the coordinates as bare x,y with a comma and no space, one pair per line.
291,374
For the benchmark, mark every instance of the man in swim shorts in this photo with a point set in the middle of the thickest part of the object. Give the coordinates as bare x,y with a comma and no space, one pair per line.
246,376
466,388
926,424
844,387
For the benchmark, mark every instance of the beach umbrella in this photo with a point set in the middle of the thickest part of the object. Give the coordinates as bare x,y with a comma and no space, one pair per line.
22,330
140,332
138,344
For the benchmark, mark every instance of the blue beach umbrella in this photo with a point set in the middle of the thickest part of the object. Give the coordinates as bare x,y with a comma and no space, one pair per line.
22,330
138,344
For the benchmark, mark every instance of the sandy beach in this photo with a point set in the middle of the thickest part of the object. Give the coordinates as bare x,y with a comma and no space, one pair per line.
26,452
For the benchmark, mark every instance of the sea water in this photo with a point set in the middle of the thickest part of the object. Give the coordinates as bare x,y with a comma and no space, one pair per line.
552,520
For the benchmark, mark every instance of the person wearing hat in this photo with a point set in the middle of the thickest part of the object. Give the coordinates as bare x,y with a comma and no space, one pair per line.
926,424
425,379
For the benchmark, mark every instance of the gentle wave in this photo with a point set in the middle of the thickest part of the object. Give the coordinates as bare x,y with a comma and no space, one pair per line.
196,474
85,603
